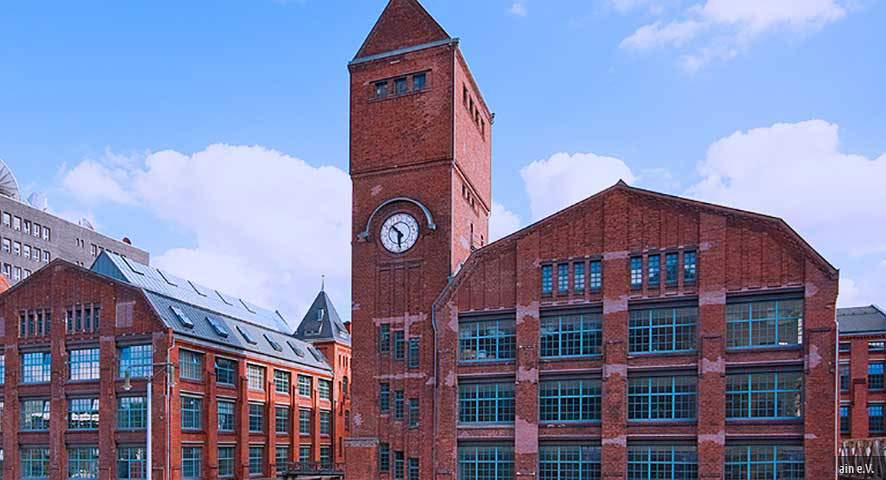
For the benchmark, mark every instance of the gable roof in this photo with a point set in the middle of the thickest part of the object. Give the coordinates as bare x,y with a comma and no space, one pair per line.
322,323
402,24
861,320
207,315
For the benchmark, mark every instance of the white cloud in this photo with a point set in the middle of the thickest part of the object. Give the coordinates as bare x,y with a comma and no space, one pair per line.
267,225
720,29
93,182
502,222
518,9
563,179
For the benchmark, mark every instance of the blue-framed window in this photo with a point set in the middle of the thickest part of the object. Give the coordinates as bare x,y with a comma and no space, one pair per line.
34,463
563,278
571,335
662,398
569,462
690,267
2,367
844,377
569,401
384,397
225,371
36,367
132,463
384,338
192,462
595,281
414,352
764,324
384,457
83,414
137,359
399,345
636,272
578,282
399,465
547,279
192,413
654,271
764,462
256,418
771,395
845,419
226,416
83,463
399,404
226,462
486,462
83,364
875,418
876,347
487,340
486,403
651,462
35,415
672,268
132,413
663,330
414,472
875,376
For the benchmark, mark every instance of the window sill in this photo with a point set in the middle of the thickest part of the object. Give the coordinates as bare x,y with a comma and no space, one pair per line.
668,353
484,362
764,348
764,420
481,426
663,422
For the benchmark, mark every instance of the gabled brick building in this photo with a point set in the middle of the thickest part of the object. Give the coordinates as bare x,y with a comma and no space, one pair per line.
633,335
862,377
234,393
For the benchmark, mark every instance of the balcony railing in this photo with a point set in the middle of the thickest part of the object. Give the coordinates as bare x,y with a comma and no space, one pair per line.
863,459
295,470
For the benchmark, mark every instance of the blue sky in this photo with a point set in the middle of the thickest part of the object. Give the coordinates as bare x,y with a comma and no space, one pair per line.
111,108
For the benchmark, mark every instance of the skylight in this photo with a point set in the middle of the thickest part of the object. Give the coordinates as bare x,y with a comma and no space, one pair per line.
218,327
194,286
167,278
298,352
131,265
247,306
317,355
181,316
276,346
246,335
222,297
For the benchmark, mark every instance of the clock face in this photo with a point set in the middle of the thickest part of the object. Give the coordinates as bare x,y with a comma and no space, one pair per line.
399,232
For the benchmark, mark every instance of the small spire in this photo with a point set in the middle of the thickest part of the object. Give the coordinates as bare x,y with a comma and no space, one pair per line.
322,283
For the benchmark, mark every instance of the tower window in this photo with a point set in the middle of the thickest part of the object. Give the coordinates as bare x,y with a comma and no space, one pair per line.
464,100
381,90
400,87
419,82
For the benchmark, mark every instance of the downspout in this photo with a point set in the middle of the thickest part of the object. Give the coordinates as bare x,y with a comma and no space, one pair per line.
168,408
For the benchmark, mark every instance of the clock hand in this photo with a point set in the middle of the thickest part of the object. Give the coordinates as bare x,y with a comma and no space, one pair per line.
399,238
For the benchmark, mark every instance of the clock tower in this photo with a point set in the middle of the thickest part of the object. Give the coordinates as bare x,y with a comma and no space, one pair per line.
420,161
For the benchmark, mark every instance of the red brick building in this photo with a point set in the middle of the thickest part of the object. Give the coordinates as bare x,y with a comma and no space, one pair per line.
234,393
862,383
633,335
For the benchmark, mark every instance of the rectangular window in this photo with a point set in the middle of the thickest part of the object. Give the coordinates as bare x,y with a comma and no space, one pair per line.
225,462
486,403
36,367
845,347
132,413
7,219
781,462
419,81
384,397
547,280
399,465
844,377
579,277
875,418
34,462
485,462
281,381
660,461
413,469
764,395
83,414
192,413
83,463
256,460
84,364
414,352
413,412
400,86
384,457
399,345
305,385
654,271
324,389
137,360
255,376
384,338
876,347
875,376
7,245
672,261
281,457
690,267
131,463
256,418
572,335
192,462
190,365
225,371
2,368
326,457
569,401
562,279
662,330
489,340
381,90
304,422
304,453
595,282
281,420
399,404
845,419
662,398
569,462
325,423
47,234
226,416
764,324
636,272
16,223
35,415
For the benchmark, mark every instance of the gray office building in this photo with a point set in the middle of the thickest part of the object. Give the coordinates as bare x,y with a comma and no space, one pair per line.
30,237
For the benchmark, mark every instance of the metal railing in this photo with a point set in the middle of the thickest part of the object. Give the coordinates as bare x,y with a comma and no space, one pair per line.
863,459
